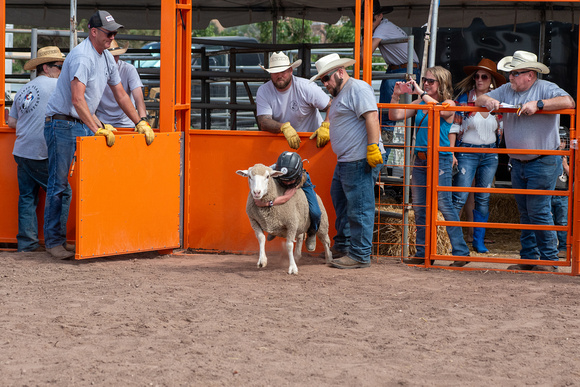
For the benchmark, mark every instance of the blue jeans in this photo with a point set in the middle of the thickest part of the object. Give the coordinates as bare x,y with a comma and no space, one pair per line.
32,175
444,202
540,173
313,207
353,196
482,167
385,94
60,137
560,217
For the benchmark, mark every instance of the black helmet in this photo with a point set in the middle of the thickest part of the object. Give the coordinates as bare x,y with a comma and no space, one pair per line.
291,164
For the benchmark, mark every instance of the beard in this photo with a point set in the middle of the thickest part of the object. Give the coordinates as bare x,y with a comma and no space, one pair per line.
338,84
282,83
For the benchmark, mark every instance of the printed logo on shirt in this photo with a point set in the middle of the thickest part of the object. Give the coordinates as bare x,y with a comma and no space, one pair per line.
29,99
294,106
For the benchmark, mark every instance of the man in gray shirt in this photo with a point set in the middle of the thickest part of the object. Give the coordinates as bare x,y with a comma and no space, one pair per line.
528,130
87,70
30,150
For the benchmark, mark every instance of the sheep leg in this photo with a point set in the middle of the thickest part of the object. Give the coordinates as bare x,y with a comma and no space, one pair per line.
262,260
298,248
326,243
293,269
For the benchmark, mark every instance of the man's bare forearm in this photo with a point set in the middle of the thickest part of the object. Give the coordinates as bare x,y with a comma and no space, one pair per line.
267,124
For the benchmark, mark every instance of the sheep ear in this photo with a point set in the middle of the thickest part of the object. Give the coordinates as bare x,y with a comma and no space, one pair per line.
243,173
277,173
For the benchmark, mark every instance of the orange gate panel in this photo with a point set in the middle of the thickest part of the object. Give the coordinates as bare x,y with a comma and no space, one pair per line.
128,195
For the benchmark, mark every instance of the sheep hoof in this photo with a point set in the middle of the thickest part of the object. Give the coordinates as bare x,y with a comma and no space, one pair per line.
293,270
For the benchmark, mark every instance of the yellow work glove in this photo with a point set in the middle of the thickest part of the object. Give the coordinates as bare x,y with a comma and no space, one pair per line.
374,156
108,133
322,135
291,135
143,127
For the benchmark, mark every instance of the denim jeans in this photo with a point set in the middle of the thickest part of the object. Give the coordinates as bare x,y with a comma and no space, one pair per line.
60,137
560,217
385,94
32,175
482,167
444,202
540,173
353,196
313,207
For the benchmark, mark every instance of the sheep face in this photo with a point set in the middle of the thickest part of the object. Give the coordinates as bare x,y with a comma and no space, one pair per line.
258,178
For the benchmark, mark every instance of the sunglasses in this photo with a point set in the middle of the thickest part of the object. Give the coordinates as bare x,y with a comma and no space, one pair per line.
110,34
484,77
326,78
428,81
57,66
516,74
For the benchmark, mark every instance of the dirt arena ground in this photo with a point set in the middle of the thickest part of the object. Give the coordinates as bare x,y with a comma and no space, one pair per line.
216,320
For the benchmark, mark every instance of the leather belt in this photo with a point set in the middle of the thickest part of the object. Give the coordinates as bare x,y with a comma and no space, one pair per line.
402,66
529,161
421,155
63,117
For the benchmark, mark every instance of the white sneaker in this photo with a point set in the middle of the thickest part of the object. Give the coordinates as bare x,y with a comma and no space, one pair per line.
311,242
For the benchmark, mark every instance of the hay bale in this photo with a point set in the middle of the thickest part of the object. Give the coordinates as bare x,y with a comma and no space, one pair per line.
389,234
503,209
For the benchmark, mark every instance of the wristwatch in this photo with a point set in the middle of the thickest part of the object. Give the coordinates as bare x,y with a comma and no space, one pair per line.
540,104
423,94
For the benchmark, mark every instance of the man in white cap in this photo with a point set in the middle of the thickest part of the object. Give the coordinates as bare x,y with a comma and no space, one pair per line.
287,103
528,130
108,110
30,151
86,72
356,139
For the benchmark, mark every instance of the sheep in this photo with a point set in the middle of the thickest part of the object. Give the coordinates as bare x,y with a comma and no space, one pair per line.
289,220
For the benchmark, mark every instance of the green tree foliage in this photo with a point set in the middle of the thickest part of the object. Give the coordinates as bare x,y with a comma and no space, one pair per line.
289,31
342,32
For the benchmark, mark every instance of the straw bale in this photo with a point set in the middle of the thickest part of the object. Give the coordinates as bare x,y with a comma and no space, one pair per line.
389,234
503,209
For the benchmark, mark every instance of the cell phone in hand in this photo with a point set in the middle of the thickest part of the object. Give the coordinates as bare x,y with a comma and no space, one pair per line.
407,88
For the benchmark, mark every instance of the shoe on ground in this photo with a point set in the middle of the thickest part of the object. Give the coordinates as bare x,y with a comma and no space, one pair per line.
459,263
60,252
336,253
414,261
347,262
520,267
69,247
311,242
553,269
562,254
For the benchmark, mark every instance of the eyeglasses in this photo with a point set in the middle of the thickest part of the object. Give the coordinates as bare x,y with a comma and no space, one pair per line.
326,78
483,77
110,34
57,66
428,81
516,74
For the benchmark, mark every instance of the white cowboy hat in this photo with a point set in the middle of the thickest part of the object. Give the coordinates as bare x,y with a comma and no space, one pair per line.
522,60
280,62
115,49
45,55
330,62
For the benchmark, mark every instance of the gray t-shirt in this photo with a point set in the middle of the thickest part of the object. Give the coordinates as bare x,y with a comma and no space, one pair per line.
538,131
299,105
394,53
29,109
348,132
92,69
108,110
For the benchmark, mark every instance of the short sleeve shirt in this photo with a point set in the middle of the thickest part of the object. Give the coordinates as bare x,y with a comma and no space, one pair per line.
108,110
92,69
538,131
348,133
300,104
29,109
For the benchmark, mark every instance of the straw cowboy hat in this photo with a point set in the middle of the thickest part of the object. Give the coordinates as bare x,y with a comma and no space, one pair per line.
280,62
489,66
45,55
522,60
330,62
116,50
